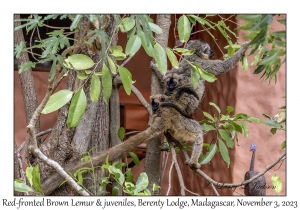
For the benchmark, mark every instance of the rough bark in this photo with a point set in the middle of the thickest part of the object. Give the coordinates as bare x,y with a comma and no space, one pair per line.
152,161
17,174
27,84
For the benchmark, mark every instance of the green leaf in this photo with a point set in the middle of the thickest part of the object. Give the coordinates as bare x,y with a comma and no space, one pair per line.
230,51
21,187
282,21
155,187
112,65
184,29
155,28
116,51
273,123
258,56
57,100
106,83
126,78
184,51
141,183
133,45
245,63
129,175
126,24
226,136
283,145
160,58
277,183
206,127
25,66
251,17
80,178
75,22
224,152
259,69
267,116
119,176
229,109
245,128
19,48
214,105
195,77
208,116
204,159
172,58
79,62
269,60
148,48
115,190
265,20
236,126
95,88
135,158
36,180
205,75
82,76
77,108
279,34
273,130
29,170
121,133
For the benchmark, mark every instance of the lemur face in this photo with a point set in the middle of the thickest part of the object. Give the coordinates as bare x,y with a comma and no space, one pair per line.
202,49
156,100
172,81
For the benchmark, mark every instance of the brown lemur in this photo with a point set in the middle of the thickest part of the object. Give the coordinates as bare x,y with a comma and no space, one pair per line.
178,126
178,78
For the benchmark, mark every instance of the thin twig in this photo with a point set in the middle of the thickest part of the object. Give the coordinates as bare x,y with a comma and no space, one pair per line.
141,99
20,161
227,185
43,132
174,160
55,27
164,165
126,61
31,45
192,192
214,188
170,171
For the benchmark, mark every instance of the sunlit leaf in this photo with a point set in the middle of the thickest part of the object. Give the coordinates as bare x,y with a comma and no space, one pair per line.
36,180
155,28
116,51
245,63
208,116
77,108
226,136
184,29
229,109
245,128
133,45
141,183
29,170
206,127
205,75
21,187
19,48
277,183
95,88
204,159
57,100
112,65
126,24
216,107
79,62
82,76
126,78
148,48
160,58
172,58
283,145
195,76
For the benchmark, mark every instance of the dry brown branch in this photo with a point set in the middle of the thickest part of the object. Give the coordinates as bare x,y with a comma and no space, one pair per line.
174,160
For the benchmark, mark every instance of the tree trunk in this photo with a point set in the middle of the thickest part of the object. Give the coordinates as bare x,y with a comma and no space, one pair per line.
152,161
17,174
28,88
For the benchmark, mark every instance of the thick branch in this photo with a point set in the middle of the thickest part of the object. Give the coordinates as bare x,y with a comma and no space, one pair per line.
141,99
